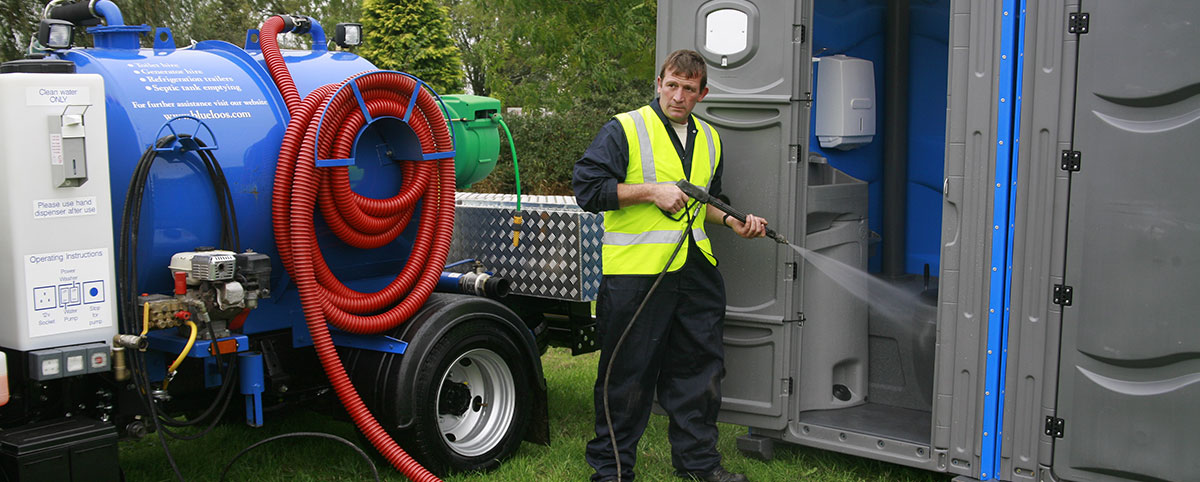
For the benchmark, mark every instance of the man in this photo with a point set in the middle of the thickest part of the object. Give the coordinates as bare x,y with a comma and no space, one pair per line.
675,344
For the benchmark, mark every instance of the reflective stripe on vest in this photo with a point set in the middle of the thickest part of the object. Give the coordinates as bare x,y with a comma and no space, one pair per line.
712,152
639,239
650,237
644,147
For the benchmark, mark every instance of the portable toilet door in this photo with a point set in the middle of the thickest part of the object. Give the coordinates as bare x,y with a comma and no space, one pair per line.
806,361
1103,368
756,104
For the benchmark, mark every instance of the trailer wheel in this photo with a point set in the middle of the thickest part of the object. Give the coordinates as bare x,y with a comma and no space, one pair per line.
472,401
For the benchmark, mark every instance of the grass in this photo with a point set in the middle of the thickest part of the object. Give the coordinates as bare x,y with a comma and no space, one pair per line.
570,382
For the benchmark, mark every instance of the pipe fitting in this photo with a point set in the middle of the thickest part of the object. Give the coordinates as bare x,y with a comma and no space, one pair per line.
120,369
132,342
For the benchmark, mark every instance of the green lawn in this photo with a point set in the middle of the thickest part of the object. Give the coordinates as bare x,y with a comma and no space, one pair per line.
570,382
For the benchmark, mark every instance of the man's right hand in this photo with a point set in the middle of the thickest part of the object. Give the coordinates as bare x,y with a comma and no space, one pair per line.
666,196
669,198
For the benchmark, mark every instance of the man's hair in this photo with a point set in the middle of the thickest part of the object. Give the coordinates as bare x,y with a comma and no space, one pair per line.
687,64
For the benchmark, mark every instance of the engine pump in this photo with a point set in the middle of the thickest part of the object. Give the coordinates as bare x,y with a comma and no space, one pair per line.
216,287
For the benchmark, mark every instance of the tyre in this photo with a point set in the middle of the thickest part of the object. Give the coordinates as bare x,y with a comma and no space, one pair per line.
472,400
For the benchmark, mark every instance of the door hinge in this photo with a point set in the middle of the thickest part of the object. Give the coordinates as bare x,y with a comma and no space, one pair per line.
787,385
1071,160
1077,23
1055,426
1064,295
790,271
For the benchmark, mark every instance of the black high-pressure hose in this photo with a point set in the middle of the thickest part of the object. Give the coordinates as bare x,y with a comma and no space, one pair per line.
130,225
130,221
703,198
683,236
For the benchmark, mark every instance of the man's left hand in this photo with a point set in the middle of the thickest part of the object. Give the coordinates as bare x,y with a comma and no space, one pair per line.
754,227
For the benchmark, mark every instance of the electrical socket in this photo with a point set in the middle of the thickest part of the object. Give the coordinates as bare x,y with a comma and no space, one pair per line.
45,298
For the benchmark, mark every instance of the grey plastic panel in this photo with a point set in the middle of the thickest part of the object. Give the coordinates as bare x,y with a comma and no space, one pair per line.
757,177
1041,207
754,102
966,233
756,354
1129,383
833,362
767,67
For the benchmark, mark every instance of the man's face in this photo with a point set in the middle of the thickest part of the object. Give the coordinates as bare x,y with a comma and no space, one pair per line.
677,96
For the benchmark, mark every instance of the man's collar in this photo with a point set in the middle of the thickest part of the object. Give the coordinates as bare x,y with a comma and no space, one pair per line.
663,117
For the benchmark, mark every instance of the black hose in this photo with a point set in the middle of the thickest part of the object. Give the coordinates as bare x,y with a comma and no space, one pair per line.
374,471
211,425
224,393
224,396
683,236
230,239
127,279
128,254
76,13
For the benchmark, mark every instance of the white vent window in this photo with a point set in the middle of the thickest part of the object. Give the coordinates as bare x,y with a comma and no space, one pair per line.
725,31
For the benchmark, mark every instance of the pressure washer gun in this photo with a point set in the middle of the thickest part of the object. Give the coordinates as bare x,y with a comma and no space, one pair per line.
700,195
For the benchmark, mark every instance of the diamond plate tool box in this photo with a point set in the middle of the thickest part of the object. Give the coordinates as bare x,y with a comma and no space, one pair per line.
557,253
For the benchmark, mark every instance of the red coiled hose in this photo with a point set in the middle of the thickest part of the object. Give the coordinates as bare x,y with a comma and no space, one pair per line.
300,188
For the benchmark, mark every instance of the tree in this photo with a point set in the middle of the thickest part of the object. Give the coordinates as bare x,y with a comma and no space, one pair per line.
570,65
471,22
194,22
558,55
19,20
190,21
412,36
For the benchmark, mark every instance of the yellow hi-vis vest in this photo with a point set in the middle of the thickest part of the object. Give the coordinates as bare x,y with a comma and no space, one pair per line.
639,239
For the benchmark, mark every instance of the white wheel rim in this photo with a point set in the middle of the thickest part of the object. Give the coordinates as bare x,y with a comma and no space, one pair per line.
489,414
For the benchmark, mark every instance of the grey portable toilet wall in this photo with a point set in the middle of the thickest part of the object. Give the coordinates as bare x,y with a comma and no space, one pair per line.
1104,384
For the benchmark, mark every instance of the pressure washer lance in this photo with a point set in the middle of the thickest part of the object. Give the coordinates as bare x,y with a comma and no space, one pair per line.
700,195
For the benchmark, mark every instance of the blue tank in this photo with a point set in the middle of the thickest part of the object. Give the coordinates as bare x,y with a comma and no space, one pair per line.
230,92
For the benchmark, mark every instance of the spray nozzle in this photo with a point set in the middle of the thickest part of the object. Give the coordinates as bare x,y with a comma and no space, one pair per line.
516,233
695,192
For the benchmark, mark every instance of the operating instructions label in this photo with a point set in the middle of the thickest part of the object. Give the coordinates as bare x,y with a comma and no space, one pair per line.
68,291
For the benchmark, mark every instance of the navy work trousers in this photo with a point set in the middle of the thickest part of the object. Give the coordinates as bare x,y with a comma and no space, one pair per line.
675,346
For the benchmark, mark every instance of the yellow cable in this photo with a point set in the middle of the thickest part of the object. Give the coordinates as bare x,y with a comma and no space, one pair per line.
145,319
179,360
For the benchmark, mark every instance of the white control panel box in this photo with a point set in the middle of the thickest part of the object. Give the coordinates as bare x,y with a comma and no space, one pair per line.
56,229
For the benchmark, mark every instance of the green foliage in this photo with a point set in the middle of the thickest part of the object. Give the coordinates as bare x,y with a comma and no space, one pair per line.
190,21
228,20
549,143
412,36
553,54
471,22
570,66
18,21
